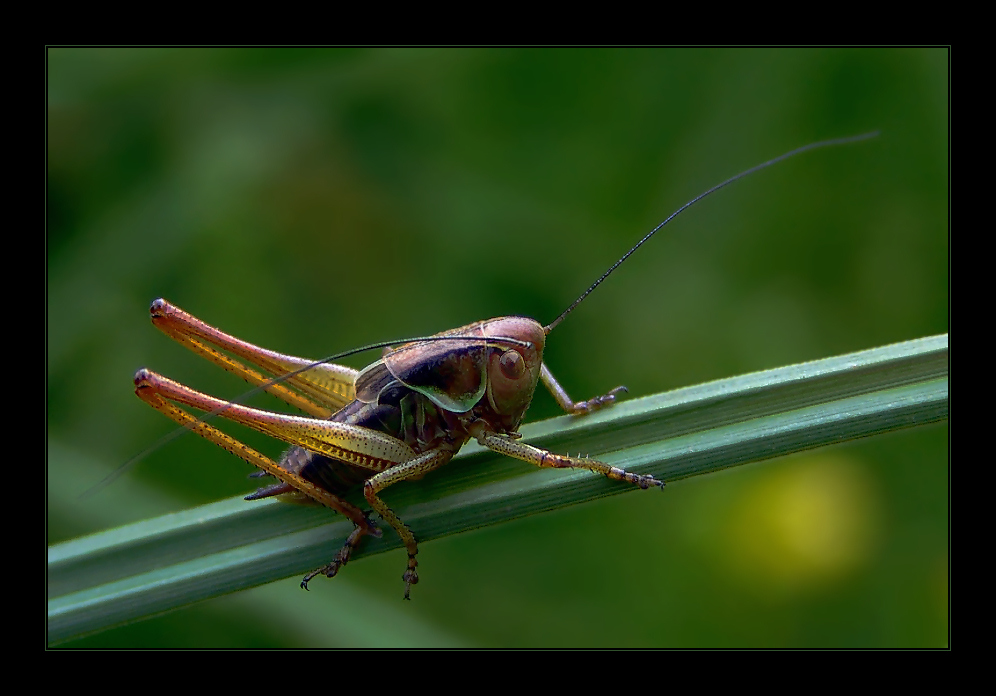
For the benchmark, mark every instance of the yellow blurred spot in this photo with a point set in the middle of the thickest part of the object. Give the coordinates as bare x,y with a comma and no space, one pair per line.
809,523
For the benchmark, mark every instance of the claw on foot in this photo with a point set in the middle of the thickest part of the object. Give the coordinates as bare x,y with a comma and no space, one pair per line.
410,576
646,482
308,577
330,569
585,407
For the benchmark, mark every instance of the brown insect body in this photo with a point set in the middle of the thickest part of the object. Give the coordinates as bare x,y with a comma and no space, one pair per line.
489,377
398,419
401,417
419,393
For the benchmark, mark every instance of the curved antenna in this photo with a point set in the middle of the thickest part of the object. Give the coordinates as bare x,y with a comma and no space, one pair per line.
805,148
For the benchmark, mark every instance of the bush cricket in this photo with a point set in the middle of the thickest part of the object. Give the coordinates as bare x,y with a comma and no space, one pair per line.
399,418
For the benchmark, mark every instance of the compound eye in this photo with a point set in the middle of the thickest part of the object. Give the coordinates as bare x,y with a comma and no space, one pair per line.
512,365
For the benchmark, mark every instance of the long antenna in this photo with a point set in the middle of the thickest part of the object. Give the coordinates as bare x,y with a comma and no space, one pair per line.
805,148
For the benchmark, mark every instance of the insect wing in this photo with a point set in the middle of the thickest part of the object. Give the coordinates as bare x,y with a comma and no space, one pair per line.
452,374
372,380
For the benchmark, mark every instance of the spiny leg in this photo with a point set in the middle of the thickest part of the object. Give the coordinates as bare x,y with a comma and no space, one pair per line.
326,387
149,389
355,445
414,468
542,458
576,408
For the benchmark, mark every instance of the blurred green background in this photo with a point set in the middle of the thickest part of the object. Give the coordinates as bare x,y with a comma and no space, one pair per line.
315,200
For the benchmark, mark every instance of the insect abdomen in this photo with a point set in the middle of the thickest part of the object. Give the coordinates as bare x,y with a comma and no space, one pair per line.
400,412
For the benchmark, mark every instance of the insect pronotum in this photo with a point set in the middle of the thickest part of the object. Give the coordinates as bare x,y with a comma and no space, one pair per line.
400,417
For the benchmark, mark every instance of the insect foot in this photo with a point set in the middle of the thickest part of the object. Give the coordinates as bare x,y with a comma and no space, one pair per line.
341,558
585,407
410,576
643,482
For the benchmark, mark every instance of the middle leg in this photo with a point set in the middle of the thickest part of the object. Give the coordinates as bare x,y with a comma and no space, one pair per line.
414,468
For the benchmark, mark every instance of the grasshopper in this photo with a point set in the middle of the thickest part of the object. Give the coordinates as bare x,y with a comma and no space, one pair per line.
399,418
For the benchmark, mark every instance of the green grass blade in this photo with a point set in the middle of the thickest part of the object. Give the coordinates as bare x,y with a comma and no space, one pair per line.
150,567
